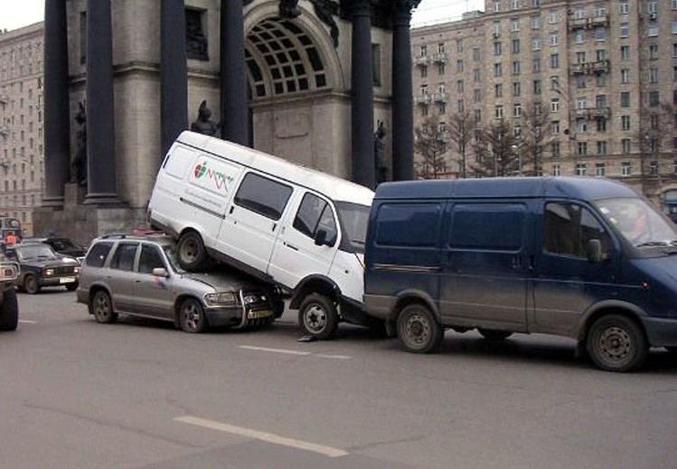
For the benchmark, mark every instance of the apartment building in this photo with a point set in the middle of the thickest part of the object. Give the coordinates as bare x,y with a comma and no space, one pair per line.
601,74
21,126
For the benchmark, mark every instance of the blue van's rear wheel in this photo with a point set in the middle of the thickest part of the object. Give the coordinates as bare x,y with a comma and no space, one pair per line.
616,343
418,329
191,251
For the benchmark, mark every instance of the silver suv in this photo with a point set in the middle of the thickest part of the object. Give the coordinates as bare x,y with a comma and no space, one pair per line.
140,276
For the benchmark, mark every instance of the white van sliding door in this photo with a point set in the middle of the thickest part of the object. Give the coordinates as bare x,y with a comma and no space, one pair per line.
296,255
252,221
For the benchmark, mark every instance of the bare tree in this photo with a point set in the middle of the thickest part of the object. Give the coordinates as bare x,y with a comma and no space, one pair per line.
431,145
496,150
461,129
655,138
535,135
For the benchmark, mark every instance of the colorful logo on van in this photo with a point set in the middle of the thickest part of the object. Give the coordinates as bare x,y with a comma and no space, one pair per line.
218,178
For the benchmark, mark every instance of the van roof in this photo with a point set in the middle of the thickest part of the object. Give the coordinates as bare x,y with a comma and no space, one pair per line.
333,187
582,188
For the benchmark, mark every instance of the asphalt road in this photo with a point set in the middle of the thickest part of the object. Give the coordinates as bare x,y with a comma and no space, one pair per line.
77,394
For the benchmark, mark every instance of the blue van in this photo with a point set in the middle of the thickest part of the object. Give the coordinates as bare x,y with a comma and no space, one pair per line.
578,257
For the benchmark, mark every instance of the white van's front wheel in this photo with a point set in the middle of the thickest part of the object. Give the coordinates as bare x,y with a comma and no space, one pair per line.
318,317
191,251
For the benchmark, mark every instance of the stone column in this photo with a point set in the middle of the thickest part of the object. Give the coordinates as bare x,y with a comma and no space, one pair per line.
101,177
173,72
57,114
234,104
362,95
403,110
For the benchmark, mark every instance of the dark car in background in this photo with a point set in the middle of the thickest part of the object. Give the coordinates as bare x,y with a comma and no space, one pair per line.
66,247
42,267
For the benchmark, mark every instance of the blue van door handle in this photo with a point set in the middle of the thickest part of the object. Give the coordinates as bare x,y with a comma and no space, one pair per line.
516,262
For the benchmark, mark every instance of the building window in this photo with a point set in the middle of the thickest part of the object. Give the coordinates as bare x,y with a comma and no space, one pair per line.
441,69
515,46
554,61
476,75
537,87
477,95
625,52
623,8
556,171
553,17
517,110
555,127
582,148
554,105
580,36
515,25
459,86
626,146
601,147
554,39
516,89
516,67
497,6
536,65
601,124
580,81
536,22
653,52
625,99
625,122
536,44
580,57
459,66
498,70
653,75
600,169
625,30
196,34
499,112
459,46
424,72
476,54
555,150
626,168
654,98
498,90
581,169
625,75
600,34
653,168
515,4
498,48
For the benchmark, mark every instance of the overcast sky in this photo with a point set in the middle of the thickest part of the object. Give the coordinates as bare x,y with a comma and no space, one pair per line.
17,13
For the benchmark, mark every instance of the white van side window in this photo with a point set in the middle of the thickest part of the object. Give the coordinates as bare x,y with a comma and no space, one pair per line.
263,196
178,161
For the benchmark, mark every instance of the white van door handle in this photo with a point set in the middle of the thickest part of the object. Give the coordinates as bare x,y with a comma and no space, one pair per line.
293,248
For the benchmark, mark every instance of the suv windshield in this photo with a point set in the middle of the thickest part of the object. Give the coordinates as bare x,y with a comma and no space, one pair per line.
638,221
354,220
25,253
170,252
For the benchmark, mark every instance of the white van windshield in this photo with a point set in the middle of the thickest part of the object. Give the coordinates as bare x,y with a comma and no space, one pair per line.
354,220
638,221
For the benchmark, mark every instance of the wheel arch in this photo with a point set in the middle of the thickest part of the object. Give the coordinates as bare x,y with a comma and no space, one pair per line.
603,308
407,297
96,287
314,284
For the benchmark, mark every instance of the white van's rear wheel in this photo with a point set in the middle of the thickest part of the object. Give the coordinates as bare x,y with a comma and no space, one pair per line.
418,329
191,251
318,317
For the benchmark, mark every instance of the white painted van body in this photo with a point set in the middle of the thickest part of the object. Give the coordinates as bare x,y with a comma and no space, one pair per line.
211,186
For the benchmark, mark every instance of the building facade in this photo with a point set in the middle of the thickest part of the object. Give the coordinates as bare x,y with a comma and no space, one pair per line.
21,123
595,79
308,80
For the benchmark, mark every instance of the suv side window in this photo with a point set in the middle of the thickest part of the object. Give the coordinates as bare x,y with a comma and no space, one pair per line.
123,259
98,254
315,214
150,259
263,196
569,227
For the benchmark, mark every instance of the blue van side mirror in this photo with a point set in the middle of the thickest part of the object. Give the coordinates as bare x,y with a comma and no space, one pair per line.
594,251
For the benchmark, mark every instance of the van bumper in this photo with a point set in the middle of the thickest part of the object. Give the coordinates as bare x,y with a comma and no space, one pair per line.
661,332
379,306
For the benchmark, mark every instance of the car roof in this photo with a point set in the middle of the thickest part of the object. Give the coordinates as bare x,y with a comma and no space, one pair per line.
332,186
160,239
582,188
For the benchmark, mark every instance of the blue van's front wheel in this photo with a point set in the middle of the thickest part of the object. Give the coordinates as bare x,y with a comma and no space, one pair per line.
418,330
616,343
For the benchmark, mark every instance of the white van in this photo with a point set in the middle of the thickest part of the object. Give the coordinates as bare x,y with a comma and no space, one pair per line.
300,229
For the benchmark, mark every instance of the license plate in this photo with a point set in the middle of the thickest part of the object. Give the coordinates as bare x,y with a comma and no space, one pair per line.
67,280
259,314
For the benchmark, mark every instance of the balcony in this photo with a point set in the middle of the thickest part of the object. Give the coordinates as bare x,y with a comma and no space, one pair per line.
579,69
591,68
598,21
441,58
441,97
422,61
579,23
423,99
593,113
601,66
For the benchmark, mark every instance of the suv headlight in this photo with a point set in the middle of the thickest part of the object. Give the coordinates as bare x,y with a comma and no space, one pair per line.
221,299
49,272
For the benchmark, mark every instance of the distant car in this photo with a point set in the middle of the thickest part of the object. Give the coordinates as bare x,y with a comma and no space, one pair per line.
62,245
42,267
140,276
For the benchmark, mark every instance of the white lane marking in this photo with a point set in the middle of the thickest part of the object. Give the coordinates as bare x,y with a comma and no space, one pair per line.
262,436
336,357
26,321
274,350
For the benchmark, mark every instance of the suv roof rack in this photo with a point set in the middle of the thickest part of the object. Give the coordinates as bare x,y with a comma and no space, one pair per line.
115,235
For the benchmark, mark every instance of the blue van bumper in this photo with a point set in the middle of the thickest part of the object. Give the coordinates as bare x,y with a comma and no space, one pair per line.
661,332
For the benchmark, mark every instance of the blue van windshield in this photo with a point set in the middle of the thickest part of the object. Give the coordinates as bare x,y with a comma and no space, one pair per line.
638,221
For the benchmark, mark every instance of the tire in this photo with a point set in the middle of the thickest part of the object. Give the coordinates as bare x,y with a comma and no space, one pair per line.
191,252
31,285
101,307
72,286
192,317
9,311
494,335
616,343
418,330
318,317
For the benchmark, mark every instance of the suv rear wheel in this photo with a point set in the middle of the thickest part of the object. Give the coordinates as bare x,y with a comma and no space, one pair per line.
101,306
318,316
616,343
9,311
191,251
418,330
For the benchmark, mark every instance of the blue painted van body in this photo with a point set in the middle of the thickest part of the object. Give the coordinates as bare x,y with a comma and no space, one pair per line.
511,254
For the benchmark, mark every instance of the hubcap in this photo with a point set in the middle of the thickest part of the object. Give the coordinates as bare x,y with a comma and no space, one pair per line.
315,318
615,344
101,308
417,329
191,316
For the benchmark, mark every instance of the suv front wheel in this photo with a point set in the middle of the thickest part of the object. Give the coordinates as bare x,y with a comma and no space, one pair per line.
191,251
101,306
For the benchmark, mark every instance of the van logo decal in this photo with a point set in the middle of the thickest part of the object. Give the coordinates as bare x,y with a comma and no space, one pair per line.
219,179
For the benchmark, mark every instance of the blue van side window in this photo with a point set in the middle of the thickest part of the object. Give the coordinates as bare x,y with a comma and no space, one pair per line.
488,226
408,224
568,229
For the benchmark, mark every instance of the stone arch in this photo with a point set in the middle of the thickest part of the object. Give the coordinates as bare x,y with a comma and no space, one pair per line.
288,56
